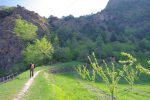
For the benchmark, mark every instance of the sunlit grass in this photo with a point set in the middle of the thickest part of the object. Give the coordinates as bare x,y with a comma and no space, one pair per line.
69,86
62,86
9,90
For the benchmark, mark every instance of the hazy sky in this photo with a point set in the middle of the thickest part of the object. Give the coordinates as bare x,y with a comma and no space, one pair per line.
59,8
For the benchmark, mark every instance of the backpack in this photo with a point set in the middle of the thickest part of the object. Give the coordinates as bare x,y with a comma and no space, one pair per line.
32,66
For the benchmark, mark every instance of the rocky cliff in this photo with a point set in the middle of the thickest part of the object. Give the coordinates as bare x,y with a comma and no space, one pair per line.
11,45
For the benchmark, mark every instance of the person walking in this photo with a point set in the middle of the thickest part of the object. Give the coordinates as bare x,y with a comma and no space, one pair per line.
32,66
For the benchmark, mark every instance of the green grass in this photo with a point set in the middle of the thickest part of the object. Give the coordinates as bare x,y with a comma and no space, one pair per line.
66,65
140,91
39,89
61,86
58,87
10,89
68,86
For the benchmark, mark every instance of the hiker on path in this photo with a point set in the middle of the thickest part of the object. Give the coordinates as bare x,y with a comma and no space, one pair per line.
32,66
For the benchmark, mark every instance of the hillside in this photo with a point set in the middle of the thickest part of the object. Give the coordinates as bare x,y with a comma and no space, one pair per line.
122,26
11,44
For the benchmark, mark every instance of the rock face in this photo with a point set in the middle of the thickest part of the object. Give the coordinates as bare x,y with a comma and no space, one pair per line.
32,17
11,46
10,49
118,17
129,14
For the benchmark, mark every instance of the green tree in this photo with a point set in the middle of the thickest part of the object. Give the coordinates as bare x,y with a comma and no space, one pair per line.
63,54
54,39
25,30
132,69
144,44
99,41
129,68
109,74
40,52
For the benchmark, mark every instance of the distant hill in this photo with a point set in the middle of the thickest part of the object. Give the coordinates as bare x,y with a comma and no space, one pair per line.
122,26
11,45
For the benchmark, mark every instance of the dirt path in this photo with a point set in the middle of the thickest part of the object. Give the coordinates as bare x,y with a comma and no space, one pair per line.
26,86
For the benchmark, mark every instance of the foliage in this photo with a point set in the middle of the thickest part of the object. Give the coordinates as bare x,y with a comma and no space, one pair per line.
40,52
54,39
25,30
85,73
124,29
131,68
62,54
148,61
144,70
144,44
110,75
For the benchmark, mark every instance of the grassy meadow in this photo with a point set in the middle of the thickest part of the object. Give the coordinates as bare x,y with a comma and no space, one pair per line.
68,85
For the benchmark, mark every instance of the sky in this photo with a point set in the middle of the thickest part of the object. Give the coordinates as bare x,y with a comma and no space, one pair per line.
59,8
